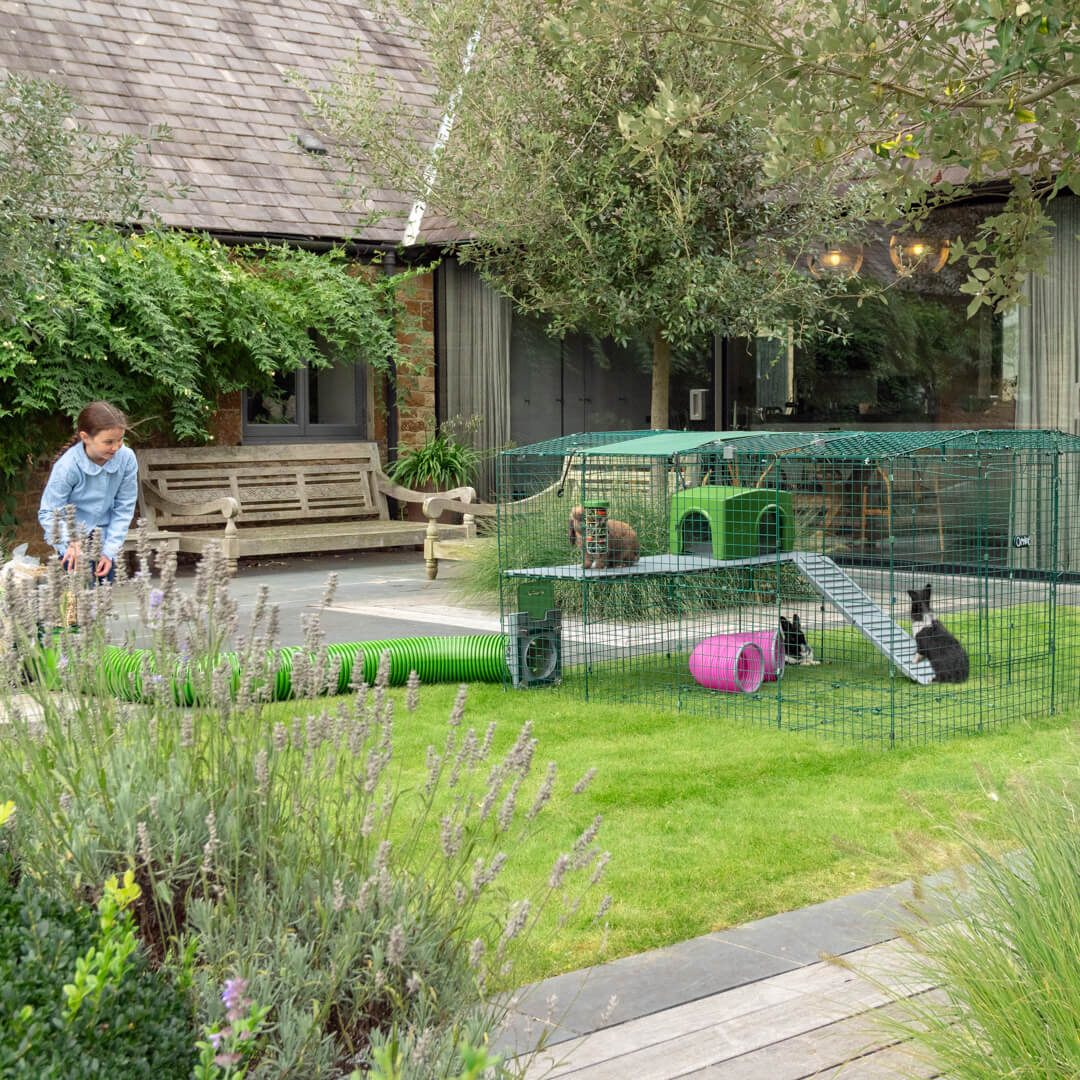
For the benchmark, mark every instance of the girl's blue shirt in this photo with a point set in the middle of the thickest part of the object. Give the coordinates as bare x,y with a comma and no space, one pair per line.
103,496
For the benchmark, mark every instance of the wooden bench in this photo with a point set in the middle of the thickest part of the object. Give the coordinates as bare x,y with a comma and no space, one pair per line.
156,540
281,499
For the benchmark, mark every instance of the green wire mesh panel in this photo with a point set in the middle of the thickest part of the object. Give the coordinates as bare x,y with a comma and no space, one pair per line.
681,562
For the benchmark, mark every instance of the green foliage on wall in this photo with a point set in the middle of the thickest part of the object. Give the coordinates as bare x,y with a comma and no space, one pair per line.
160,324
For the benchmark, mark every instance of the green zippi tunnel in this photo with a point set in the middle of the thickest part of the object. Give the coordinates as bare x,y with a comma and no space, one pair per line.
474,658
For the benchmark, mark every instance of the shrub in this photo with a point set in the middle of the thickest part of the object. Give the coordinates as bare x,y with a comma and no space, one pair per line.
274,842
162,323
140,1027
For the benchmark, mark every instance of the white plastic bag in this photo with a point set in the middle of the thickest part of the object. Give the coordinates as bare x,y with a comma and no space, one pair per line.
20,567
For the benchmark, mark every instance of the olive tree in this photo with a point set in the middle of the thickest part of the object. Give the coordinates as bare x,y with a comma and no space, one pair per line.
929,101
524,146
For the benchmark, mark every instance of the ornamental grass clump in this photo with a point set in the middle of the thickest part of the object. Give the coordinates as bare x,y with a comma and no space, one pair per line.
536,533
1006,946
446,459
273,842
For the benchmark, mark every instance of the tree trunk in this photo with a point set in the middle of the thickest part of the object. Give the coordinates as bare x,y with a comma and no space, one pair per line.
661,381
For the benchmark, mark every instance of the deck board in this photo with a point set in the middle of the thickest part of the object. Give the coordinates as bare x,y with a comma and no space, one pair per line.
820,1014
856,1048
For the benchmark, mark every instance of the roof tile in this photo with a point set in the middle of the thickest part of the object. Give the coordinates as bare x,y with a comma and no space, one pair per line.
215,72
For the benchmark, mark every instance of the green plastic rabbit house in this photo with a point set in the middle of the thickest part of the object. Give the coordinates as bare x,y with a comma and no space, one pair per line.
731,522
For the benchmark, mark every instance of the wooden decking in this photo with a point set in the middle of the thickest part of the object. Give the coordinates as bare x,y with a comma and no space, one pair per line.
824,1020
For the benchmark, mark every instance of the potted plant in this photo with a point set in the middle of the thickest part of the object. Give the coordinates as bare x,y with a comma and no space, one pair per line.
445,460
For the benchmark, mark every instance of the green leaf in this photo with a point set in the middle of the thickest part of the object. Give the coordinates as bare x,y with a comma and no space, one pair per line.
974,25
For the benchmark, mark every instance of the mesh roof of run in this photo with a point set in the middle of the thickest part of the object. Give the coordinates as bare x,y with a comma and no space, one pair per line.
824,444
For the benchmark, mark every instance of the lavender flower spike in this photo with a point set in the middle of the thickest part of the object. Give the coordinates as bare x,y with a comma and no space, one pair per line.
233,997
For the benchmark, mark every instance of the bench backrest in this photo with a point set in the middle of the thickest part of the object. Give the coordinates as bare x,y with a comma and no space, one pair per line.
277,482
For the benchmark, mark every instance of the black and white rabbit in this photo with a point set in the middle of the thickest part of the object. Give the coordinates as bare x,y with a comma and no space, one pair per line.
946,655
797,649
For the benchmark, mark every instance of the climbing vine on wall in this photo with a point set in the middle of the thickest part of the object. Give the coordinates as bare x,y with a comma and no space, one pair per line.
161,323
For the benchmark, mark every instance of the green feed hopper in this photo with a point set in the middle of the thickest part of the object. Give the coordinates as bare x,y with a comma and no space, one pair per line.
731,522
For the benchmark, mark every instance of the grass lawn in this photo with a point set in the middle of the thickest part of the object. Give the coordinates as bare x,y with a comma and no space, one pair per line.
711,822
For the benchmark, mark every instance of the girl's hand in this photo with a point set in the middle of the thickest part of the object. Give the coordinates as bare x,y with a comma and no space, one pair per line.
103,567
70,559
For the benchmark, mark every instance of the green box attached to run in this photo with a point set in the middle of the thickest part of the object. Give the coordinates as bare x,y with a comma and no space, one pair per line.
731,522
536,598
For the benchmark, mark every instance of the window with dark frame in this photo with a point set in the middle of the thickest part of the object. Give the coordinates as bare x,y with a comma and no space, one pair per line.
308,405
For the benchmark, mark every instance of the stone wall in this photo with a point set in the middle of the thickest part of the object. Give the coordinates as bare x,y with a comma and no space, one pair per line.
27,529
225,427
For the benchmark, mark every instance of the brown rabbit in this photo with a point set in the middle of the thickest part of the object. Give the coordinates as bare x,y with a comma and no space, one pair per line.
623,547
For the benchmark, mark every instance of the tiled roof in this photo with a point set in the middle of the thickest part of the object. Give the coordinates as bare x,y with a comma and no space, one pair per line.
215,73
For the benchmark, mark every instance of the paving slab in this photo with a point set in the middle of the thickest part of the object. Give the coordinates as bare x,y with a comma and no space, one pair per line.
831,928
380,595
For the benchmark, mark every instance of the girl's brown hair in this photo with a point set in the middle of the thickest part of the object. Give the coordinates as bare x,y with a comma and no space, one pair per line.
100,416
96,417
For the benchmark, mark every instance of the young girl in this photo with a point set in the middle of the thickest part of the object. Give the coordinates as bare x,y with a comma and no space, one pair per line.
97,474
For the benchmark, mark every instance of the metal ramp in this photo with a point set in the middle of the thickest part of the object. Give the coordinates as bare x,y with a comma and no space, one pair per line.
861,612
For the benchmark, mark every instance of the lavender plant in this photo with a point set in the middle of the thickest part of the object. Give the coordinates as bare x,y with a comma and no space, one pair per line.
275,843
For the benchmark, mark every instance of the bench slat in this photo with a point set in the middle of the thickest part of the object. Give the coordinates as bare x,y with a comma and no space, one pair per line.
272,540
273,453
245,521
209,474
350,489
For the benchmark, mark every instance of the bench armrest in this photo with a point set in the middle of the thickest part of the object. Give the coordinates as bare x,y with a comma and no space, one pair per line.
403,494
434,505
226,506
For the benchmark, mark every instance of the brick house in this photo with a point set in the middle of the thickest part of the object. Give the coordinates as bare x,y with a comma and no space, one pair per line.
217,75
